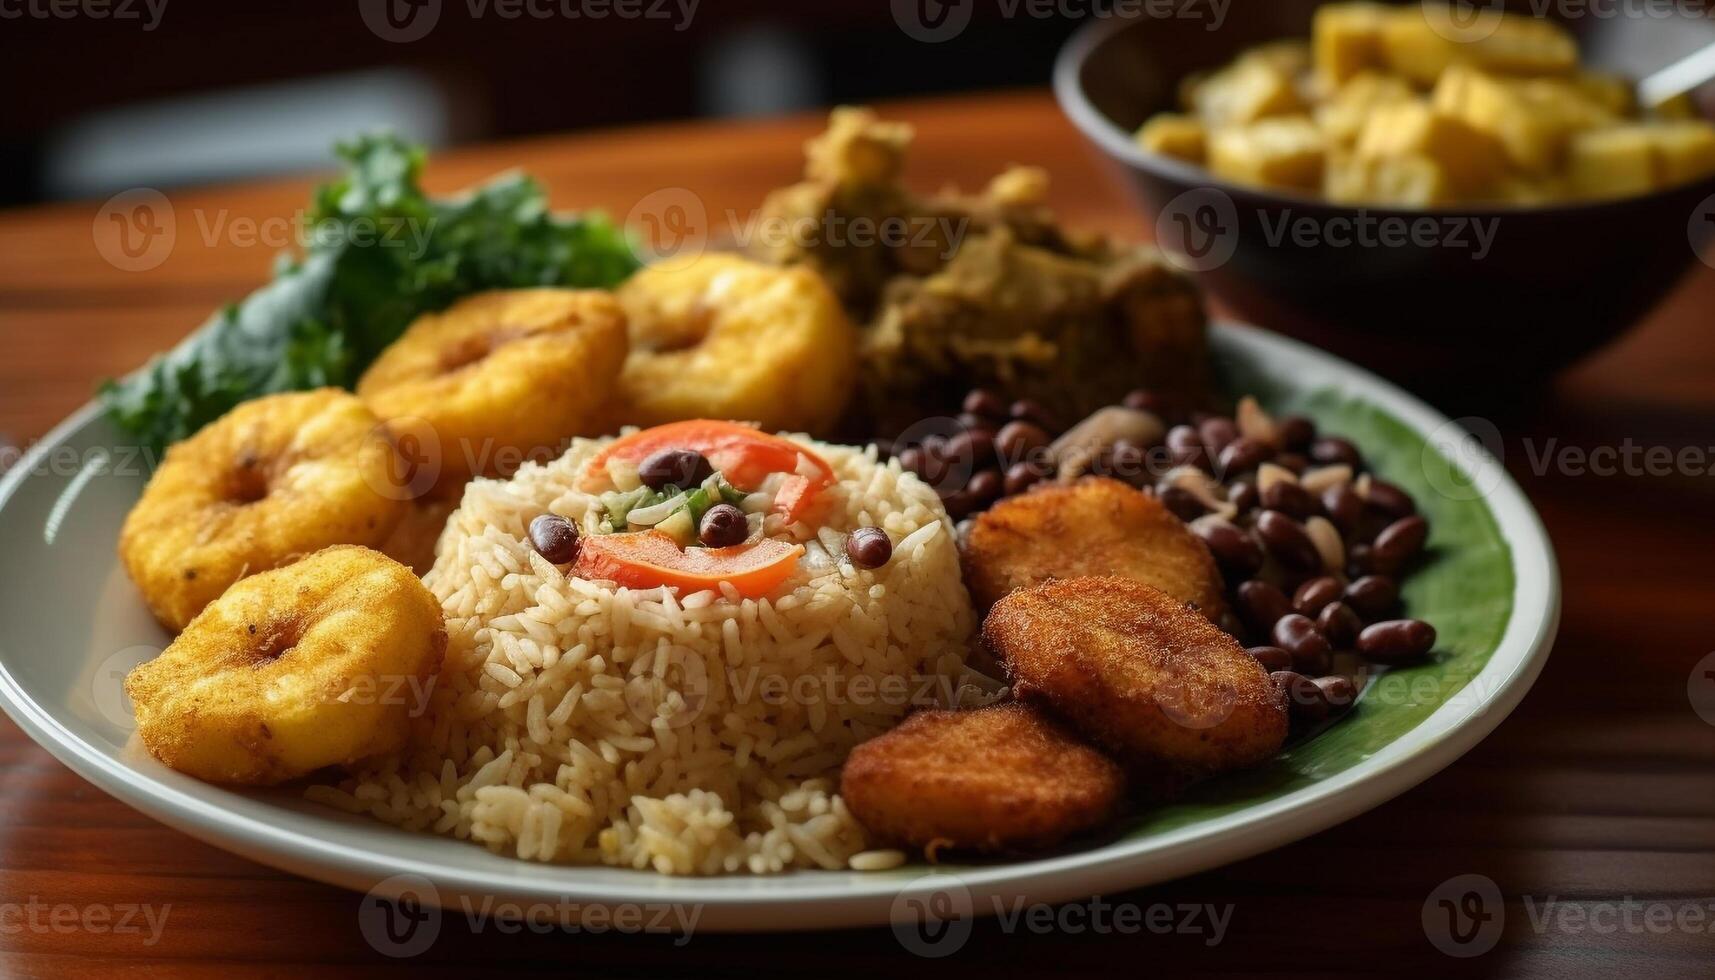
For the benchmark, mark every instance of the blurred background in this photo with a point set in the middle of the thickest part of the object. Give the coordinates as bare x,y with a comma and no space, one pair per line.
165,93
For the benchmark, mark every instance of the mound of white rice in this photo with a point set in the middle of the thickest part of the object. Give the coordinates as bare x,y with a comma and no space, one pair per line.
691,734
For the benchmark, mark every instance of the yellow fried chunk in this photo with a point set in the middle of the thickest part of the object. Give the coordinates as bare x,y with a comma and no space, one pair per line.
1288,152
1097,526
500,377
1685,151
1346,38
1533,139
1002,778
1174,135
1245,91
1342,116
1422,42
320,663
1471,159
729,338
270,481
1614,162
1135,671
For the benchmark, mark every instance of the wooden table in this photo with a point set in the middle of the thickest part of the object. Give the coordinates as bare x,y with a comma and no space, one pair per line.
1600,788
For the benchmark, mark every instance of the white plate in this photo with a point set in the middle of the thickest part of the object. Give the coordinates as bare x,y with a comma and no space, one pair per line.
71,625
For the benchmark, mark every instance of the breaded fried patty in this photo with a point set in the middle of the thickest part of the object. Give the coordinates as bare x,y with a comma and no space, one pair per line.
1002,778
1097,526
1139,674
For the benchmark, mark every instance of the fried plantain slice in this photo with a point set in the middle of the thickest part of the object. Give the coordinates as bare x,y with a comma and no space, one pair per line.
1132,669
1096,526
1001,778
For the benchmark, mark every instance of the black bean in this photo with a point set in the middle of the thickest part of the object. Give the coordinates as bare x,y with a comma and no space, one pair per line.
1031,410
1396,641
554,538
1339,624
985,488
1271,658
1373,597
1399,542
1183,503
869,547
1146,401
986,403
1316,594
723,526
1299,636
1296,432
1305,700
1243,496
682,468
1290,499
1344,507
1390,500
1329,450
1287,541
1022,476
1243,455
1236,552
1262,604
1217,432
1185,447
1338,691
1017,440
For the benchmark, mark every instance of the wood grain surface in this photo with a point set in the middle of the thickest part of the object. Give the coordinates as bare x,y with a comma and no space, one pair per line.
1598,790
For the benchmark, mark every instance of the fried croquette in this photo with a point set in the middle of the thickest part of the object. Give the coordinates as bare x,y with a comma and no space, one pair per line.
272,480
1001,778
729,338
1096,526
1135,671
499,377
316,664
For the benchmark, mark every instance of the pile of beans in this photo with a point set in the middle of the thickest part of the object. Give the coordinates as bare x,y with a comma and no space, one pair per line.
1312,547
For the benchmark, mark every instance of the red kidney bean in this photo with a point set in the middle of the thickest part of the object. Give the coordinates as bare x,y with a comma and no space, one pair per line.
1339,624
1262,604
1271,658
1185,447
1304,698
1360,560
1287,541
1373,597
1128,461
986,403
1316,594
1183,503
1243,496
985,488
1333,449
1146,401
722,526
1017,440
969,421
1399,542
1236,552
1299,636
1344,507
1290,499
1031,410
1338,691
674,467
972,446
554,538
1390,500
1296,462
869,547
1396,641
1217,432
1243,455
958,502
913,458
1021,477
1296,432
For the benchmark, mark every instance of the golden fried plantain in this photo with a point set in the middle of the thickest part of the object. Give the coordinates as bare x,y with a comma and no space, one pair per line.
272,480
1097,526
1001,778
498,378
729,338
316,664
1134,670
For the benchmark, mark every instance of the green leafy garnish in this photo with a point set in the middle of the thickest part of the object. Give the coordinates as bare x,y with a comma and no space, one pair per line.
380,254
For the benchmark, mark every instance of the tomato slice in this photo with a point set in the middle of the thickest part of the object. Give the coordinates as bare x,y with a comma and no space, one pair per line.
646,559
747,457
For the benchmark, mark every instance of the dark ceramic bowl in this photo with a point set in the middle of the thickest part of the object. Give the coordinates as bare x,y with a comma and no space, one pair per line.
1432,304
